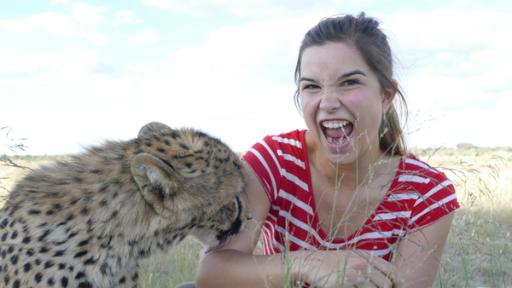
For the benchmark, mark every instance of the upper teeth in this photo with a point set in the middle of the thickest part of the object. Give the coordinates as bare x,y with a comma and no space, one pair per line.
335,123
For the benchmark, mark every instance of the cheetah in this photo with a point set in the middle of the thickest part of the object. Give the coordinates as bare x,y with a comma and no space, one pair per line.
88,220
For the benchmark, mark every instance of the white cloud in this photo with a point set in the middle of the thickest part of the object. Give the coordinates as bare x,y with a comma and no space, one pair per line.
86,15
246,53
55,23
185,7
124,17
260,8
484,126
238,83
80,21
453,64
217,86
60,2
145,36
469,42
64,62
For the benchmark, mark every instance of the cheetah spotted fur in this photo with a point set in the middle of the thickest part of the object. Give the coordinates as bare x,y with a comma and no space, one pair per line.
87,221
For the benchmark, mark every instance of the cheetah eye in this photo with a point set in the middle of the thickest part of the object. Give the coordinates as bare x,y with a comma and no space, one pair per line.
168,164
161,191
180,154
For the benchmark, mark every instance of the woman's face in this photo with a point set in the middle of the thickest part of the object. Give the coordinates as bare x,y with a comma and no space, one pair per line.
342,102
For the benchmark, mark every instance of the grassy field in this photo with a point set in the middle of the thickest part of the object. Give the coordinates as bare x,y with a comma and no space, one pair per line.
479,248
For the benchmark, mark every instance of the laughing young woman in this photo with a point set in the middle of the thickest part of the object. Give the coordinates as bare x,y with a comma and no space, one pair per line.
342,203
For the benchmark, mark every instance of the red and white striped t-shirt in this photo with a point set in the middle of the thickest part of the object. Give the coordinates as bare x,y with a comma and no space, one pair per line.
418,196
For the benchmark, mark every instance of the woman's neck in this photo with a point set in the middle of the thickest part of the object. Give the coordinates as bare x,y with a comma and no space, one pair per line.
353,174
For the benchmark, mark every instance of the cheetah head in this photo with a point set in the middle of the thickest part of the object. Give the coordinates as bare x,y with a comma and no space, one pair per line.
194,182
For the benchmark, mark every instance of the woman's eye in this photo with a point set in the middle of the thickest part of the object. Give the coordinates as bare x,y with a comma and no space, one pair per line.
309,87
350,82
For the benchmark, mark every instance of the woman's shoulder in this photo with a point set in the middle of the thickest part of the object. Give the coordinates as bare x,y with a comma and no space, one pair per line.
268,157
292,142
274,148
433,194
294,138
412,164
421,175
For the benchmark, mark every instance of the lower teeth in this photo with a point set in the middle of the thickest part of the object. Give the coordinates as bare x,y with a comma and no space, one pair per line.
339,140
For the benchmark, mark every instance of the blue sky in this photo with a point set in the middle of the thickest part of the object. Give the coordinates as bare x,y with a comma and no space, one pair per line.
74,73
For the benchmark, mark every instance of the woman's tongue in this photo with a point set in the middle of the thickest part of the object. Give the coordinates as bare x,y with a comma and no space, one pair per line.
338,135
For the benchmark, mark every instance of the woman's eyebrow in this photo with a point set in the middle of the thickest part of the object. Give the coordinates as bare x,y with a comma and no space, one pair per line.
307,79
351,73
355,72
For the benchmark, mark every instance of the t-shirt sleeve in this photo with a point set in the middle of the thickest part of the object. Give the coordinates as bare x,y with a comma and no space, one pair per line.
438,200
263,162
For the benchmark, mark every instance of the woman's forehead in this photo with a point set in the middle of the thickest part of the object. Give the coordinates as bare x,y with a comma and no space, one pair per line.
333,59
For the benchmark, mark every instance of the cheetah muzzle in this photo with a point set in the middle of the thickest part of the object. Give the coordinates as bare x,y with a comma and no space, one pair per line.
88,220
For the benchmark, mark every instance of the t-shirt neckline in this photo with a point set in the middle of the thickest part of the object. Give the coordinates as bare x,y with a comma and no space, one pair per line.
316,221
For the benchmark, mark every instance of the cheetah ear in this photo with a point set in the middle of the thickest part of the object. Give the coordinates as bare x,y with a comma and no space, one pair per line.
153,127
157,181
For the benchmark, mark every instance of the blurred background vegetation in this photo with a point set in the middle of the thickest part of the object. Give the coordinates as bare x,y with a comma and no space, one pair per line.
479,249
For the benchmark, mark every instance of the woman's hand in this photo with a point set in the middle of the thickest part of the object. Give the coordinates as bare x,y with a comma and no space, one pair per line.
345,269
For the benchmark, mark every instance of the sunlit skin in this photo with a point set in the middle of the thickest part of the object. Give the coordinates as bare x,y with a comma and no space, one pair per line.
336,84
350,175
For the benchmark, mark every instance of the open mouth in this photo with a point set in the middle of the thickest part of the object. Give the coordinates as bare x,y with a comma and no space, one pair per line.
337,132
234,228
224,236
216,247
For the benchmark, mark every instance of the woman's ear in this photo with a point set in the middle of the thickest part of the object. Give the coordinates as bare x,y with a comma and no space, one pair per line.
388,95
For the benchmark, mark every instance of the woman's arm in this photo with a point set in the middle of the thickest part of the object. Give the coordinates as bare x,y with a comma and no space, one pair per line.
419,254
415,264
234,265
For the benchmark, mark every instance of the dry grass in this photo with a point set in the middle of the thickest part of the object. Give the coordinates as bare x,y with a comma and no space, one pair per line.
12,169
478,252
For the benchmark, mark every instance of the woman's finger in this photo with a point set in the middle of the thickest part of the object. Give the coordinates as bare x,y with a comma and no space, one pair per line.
364,284
379,279
375,269
385,267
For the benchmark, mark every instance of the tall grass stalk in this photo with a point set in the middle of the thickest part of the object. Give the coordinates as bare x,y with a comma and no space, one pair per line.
478,249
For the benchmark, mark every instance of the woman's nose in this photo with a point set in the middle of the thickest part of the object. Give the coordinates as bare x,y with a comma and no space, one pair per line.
330,101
